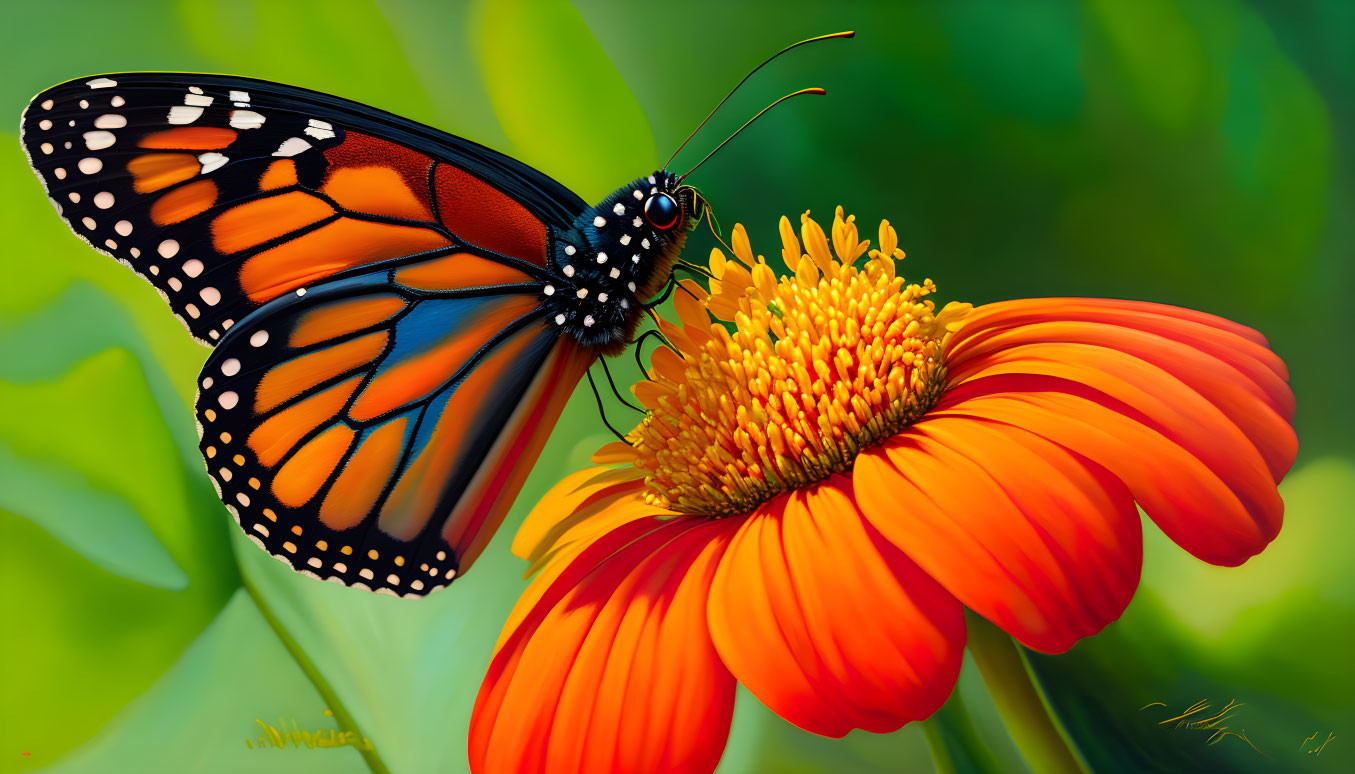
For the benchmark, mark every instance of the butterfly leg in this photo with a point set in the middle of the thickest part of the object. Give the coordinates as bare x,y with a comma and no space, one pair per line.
638,347
615,391
667,291
597,396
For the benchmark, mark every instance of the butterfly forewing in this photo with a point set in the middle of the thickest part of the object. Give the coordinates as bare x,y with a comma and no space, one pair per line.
225,193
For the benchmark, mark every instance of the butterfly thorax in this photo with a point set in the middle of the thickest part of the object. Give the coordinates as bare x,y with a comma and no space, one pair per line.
614,260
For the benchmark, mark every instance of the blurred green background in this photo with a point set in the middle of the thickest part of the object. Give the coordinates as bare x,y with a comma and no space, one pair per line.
1194,153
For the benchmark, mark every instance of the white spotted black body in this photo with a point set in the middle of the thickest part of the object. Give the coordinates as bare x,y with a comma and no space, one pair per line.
620,254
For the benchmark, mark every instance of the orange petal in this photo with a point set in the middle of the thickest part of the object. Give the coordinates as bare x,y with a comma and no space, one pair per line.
1237,345
827,623
1187,500
1159,400
1224,369
613,669
1030,536
1095,375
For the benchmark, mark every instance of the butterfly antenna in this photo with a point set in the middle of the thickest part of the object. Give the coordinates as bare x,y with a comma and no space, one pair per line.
847,34
762,112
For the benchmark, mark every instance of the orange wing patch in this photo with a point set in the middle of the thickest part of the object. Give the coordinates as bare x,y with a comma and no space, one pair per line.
407,381
183,203
297,375
153,171
342,318
256,222
487,217
300,479
276,436
343,244
458,271
190,138
279,174
357,488
375,190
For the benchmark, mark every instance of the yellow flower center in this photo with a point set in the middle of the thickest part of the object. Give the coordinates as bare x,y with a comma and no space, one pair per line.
793,377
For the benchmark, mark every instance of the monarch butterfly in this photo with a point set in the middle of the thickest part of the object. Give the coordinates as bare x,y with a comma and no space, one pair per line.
397,315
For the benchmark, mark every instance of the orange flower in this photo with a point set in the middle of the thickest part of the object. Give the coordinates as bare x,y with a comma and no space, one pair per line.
831,471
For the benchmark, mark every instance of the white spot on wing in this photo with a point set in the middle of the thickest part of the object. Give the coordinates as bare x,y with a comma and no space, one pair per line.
230,367
291,146
211,295
192,267
183,114
123,227
197,100
211,162
168,248
246,119
47,104
110,121
619,209
117,102
320,130
101,83
239,96
258,339
90,165
103,200
599,221
228,400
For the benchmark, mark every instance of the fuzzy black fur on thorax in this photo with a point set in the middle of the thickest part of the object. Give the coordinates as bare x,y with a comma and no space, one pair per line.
615,262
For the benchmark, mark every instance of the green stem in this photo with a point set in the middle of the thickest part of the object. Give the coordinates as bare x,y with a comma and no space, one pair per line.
955,746
1035,729
341,715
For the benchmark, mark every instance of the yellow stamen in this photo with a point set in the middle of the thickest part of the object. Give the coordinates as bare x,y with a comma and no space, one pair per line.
815,367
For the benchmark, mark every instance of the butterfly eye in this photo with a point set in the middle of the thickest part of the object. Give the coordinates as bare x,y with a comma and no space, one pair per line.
662,211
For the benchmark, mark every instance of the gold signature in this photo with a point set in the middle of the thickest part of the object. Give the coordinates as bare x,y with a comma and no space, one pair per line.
1305,747
280,736
1197,718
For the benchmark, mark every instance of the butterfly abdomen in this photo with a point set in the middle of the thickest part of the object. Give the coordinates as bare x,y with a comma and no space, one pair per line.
613,260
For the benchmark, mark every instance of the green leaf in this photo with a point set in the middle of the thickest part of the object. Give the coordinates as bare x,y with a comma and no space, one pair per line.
563,105
101,527
99,590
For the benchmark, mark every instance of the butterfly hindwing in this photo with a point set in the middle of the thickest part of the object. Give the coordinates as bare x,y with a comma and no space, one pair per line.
347,428
225,193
